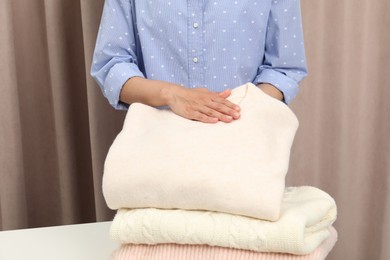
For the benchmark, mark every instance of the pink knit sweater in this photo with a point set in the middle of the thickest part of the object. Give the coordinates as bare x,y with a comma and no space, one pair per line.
203,252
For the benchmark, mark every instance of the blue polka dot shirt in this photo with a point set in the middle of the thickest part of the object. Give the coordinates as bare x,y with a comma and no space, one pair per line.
216,44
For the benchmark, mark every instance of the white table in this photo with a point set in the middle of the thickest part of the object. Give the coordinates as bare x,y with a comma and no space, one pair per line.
72,242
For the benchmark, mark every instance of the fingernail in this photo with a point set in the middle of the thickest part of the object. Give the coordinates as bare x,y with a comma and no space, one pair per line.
237,108
236,115
228,117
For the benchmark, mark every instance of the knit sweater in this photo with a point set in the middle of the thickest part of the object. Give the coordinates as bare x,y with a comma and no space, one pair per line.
162,160
203,252
306,215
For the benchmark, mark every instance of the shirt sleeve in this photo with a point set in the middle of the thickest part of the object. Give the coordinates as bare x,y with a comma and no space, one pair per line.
284,64
114,57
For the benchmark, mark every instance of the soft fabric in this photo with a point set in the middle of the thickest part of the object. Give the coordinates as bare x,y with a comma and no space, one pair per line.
202,252
306,215
162,160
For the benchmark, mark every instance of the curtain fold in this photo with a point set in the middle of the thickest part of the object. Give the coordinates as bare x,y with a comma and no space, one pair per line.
12,192
70,106
105,123
342,145
56,127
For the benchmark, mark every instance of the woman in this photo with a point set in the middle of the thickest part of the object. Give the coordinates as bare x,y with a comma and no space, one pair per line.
187,54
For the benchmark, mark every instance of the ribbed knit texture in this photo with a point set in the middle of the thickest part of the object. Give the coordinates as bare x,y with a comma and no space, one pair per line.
202,252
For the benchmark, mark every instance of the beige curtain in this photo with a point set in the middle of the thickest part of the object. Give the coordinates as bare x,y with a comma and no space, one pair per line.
56,127
343,144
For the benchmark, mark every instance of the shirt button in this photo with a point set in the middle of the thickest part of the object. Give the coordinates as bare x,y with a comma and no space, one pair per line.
195,60
195,25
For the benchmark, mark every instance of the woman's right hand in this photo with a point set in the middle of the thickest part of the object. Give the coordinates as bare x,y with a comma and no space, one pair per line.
200,104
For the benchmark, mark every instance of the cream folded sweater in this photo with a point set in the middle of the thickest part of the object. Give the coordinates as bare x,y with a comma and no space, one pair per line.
202,252
162,160
306,215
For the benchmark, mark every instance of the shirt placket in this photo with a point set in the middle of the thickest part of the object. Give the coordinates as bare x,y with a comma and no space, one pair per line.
195,44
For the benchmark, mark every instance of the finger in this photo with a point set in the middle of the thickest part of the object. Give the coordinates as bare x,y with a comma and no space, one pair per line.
224,94
198,116
226,102
226,107
215,114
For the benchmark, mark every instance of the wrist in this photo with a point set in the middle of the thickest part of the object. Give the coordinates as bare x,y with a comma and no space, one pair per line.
271,90
168,92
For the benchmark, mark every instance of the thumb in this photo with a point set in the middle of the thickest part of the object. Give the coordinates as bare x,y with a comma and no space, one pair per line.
225,93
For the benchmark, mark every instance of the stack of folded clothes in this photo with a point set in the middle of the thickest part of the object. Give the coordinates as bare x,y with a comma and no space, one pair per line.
188,190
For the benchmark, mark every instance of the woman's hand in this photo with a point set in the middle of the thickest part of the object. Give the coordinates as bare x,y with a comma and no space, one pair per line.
196,104
200,104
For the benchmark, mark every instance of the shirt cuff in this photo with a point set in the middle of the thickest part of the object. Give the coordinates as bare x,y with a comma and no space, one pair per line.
285,84
116,78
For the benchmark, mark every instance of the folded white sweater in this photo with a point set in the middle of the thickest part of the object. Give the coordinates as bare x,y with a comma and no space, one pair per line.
306,215
162,160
